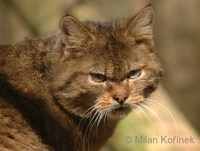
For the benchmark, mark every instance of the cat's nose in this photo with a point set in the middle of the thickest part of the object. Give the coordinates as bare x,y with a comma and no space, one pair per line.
120,97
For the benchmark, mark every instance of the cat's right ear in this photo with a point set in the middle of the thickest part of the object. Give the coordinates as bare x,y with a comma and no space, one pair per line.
140,27
75,35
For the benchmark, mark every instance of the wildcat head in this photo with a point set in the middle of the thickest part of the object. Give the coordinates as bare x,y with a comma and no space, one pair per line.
106,67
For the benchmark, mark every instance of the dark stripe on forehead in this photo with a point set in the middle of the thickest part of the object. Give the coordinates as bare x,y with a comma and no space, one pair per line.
117,70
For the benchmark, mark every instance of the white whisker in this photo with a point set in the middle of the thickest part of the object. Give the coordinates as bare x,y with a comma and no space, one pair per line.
105,118
139,113
92,122
81,124
155,114
97,121
100,118
163,107
145,114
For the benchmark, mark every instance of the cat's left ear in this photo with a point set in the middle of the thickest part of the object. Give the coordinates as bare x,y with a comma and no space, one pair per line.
140,27
75,35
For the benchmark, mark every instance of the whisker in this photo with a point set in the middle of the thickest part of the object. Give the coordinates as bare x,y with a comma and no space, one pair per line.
85,117
139,113
81,124
97,121
105,118
155,114
92,121
87,113
146,115
163,107
101,117
88,116
97,116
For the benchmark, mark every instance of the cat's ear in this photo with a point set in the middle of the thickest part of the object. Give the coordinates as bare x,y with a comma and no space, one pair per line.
74,33
141,26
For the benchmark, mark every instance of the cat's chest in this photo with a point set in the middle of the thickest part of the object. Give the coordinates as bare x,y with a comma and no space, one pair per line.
15,133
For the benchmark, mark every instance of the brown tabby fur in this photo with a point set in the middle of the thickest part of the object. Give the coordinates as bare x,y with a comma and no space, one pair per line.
46,90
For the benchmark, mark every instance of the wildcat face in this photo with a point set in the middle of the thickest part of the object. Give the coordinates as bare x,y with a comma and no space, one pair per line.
107,68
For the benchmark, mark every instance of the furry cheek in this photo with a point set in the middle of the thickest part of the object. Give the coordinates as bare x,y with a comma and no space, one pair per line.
135,99
104,102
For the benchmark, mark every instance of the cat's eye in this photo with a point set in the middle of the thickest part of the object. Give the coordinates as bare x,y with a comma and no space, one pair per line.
134,74
98,77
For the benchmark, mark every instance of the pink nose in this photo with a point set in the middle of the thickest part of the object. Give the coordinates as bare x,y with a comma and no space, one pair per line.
120,97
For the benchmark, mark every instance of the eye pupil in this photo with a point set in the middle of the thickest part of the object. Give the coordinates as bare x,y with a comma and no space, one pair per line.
135,74
98,77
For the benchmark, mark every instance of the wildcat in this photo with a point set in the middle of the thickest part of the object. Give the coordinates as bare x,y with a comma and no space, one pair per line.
67,91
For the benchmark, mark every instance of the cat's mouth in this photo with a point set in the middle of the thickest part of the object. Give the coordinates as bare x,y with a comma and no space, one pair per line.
120,111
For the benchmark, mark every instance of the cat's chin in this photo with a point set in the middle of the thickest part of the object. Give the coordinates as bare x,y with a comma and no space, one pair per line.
119,112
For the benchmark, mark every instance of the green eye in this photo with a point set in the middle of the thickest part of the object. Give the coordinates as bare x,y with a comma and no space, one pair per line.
98,77
134,74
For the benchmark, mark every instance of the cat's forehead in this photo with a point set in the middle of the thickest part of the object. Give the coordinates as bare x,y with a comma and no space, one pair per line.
108,36
111,48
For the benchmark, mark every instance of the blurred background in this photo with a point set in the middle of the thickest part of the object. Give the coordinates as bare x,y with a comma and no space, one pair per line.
177,40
